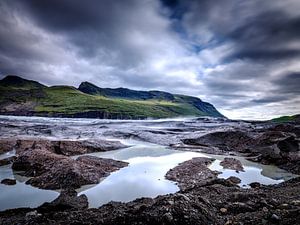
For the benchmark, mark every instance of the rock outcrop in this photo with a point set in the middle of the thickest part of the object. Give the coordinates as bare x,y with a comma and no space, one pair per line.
191,172
271,146
8,181
232,164
52,171
68,147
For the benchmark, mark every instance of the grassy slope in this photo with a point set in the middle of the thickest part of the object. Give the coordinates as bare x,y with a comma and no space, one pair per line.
19,96
69,100
284,119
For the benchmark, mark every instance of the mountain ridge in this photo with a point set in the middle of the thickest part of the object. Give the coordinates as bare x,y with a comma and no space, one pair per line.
20,96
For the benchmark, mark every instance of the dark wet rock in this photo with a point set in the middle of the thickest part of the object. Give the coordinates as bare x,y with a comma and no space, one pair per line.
215,203
69,147
281,149
234,180
225,140
7,160
7,144
8,181
267,146
275,144
108,165
232,164
191,172
289,144
286,128
35,143
88,146
53,171
67,199
255,185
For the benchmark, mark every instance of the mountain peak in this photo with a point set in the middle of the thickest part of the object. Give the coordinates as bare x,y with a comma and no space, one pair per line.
88,88
16,81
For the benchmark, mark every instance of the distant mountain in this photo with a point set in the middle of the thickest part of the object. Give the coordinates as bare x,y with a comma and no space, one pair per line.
19,96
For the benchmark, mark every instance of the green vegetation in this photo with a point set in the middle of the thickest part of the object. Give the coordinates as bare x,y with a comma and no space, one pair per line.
32,98
285,119
68,100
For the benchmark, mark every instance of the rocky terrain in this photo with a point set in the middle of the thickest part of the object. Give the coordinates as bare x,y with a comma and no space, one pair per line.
277,145
203,197
216,201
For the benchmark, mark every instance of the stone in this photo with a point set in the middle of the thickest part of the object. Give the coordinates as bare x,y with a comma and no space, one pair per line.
234,180
223,210
232,164
32,214
296,202
254,185
275,217
7,160
8,181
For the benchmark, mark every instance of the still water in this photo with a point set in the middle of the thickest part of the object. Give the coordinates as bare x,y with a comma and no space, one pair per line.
148,164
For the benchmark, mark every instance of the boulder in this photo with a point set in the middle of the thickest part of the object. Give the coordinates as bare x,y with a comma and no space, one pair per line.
234,180
232,164
8,181
67,199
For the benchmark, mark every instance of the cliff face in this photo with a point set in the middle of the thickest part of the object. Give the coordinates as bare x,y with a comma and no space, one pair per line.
19,96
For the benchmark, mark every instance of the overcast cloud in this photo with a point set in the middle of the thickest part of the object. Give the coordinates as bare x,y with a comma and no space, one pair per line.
242,56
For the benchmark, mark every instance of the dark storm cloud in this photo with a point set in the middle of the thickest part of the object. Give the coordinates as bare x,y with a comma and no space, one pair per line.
286,87
98,28
237,54
259,30
288,84
270,99
265,36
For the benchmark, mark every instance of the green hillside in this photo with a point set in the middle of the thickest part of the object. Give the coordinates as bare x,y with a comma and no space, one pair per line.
23,97
284,119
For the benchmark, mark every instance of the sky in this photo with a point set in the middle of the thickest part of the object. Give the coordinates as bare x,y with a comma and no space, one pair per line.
241,56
